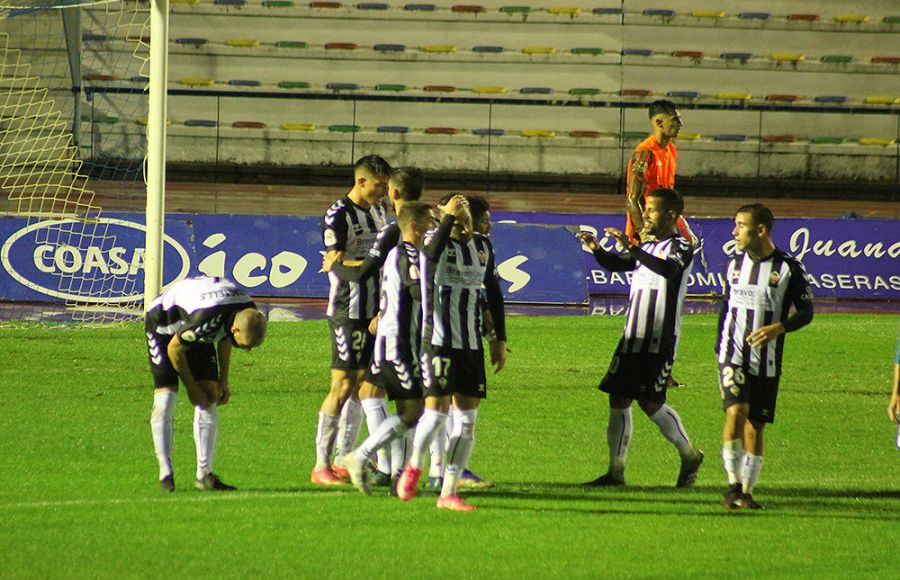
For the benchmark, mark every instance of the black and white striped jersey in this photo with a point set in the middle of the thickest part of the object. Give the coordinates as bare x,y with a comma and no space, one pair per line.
759,293
451,293
196,309
400,320
658,286
352,229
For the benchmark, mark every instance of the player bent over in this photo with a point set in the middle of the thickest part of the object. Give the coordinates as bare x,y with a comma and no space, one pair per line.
761,284
349,229
191,329
452,347
396,358
642,363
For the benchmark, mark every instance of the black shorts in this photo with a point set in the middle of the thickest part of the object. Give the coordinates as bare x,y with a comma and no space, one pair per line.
448,371
400,379
738,386
201,356
351,344
640,376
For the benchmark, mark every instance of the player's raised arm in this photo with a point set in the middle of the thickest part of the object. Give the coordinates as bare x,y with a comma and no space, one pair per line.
612,261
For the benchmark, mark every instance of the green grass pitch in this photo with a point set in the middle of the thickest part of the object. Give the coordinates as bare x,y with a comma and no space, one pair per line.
79,497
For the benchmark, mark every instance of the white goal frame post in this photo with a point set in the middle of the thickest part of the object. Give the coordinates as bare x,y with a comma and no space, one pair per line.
156,149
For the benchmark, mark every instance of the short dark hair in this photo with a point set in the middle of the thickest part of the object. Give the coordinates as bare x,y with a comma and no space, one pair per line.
478,205
409,181
374,164
759,214
662,107
671,199
412,211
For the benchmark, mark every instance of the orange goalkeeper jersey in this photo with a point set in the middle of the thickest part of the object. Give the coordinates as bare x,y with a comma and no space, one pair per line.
660,173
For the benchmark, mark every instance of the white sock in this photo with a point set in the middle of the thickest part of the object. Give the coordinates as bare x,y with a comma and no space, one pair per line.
670,426
348,426
460,449
325,434
376,411
750,471
618,435
428,426
732,458
390,430
401,448
438,447
206,427
161,428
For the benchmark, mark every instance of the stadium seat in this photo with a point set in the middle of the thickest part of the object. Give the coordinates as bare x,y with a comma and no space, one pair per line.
193,41
185,1
438,89
730,137
827,140
90,37
395,88
584,91
882,100
196,82
516,9
438,48
389,47
733,96
535,90
420,7
489,132
885,60
741,56
278,3
342,86
393,129
689,136
293,85
199,123
244,83
782,97
581,134
538,50
229,2
755,15
249,125
441,131
291,44
713,14
372,6
634,135
488,90
543,133
695,54
800,17
242,42
659,12
877,142
341,46
891,20
564,10
298,127
488,49
851,18
344,128
637,52
608,11
468,8
837,58
106,120
635,92
833,99
683,94
329,5
779,138
787,56
587,50
140,79
97,77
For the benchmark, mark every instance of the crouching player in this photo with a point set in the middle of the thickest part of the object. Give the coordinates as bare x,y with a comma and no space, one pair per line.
191,329
452,347
397,340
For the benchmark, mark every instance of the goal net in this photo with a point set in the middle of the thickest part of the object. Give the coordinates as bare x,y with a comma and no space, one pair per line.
72,138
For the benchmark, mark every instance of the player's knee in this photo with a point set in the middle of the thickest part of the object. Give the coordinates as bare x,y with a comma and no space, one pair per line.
464,424
650,407
410,415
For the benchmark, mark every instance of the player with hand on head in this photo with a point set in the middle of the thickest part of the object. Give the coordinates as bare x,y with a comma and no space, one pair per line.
453,274
397,342
643,360
349,229
191,329
404,185
761,284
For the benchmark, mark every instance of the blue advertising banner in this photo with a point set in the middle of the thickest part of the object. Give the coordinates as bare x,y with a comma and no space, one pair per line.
844,258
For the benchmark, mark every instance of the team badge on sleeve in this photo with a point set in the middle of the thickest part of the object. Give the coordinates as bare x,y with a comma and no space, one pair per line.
188,336
330,237
413,272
